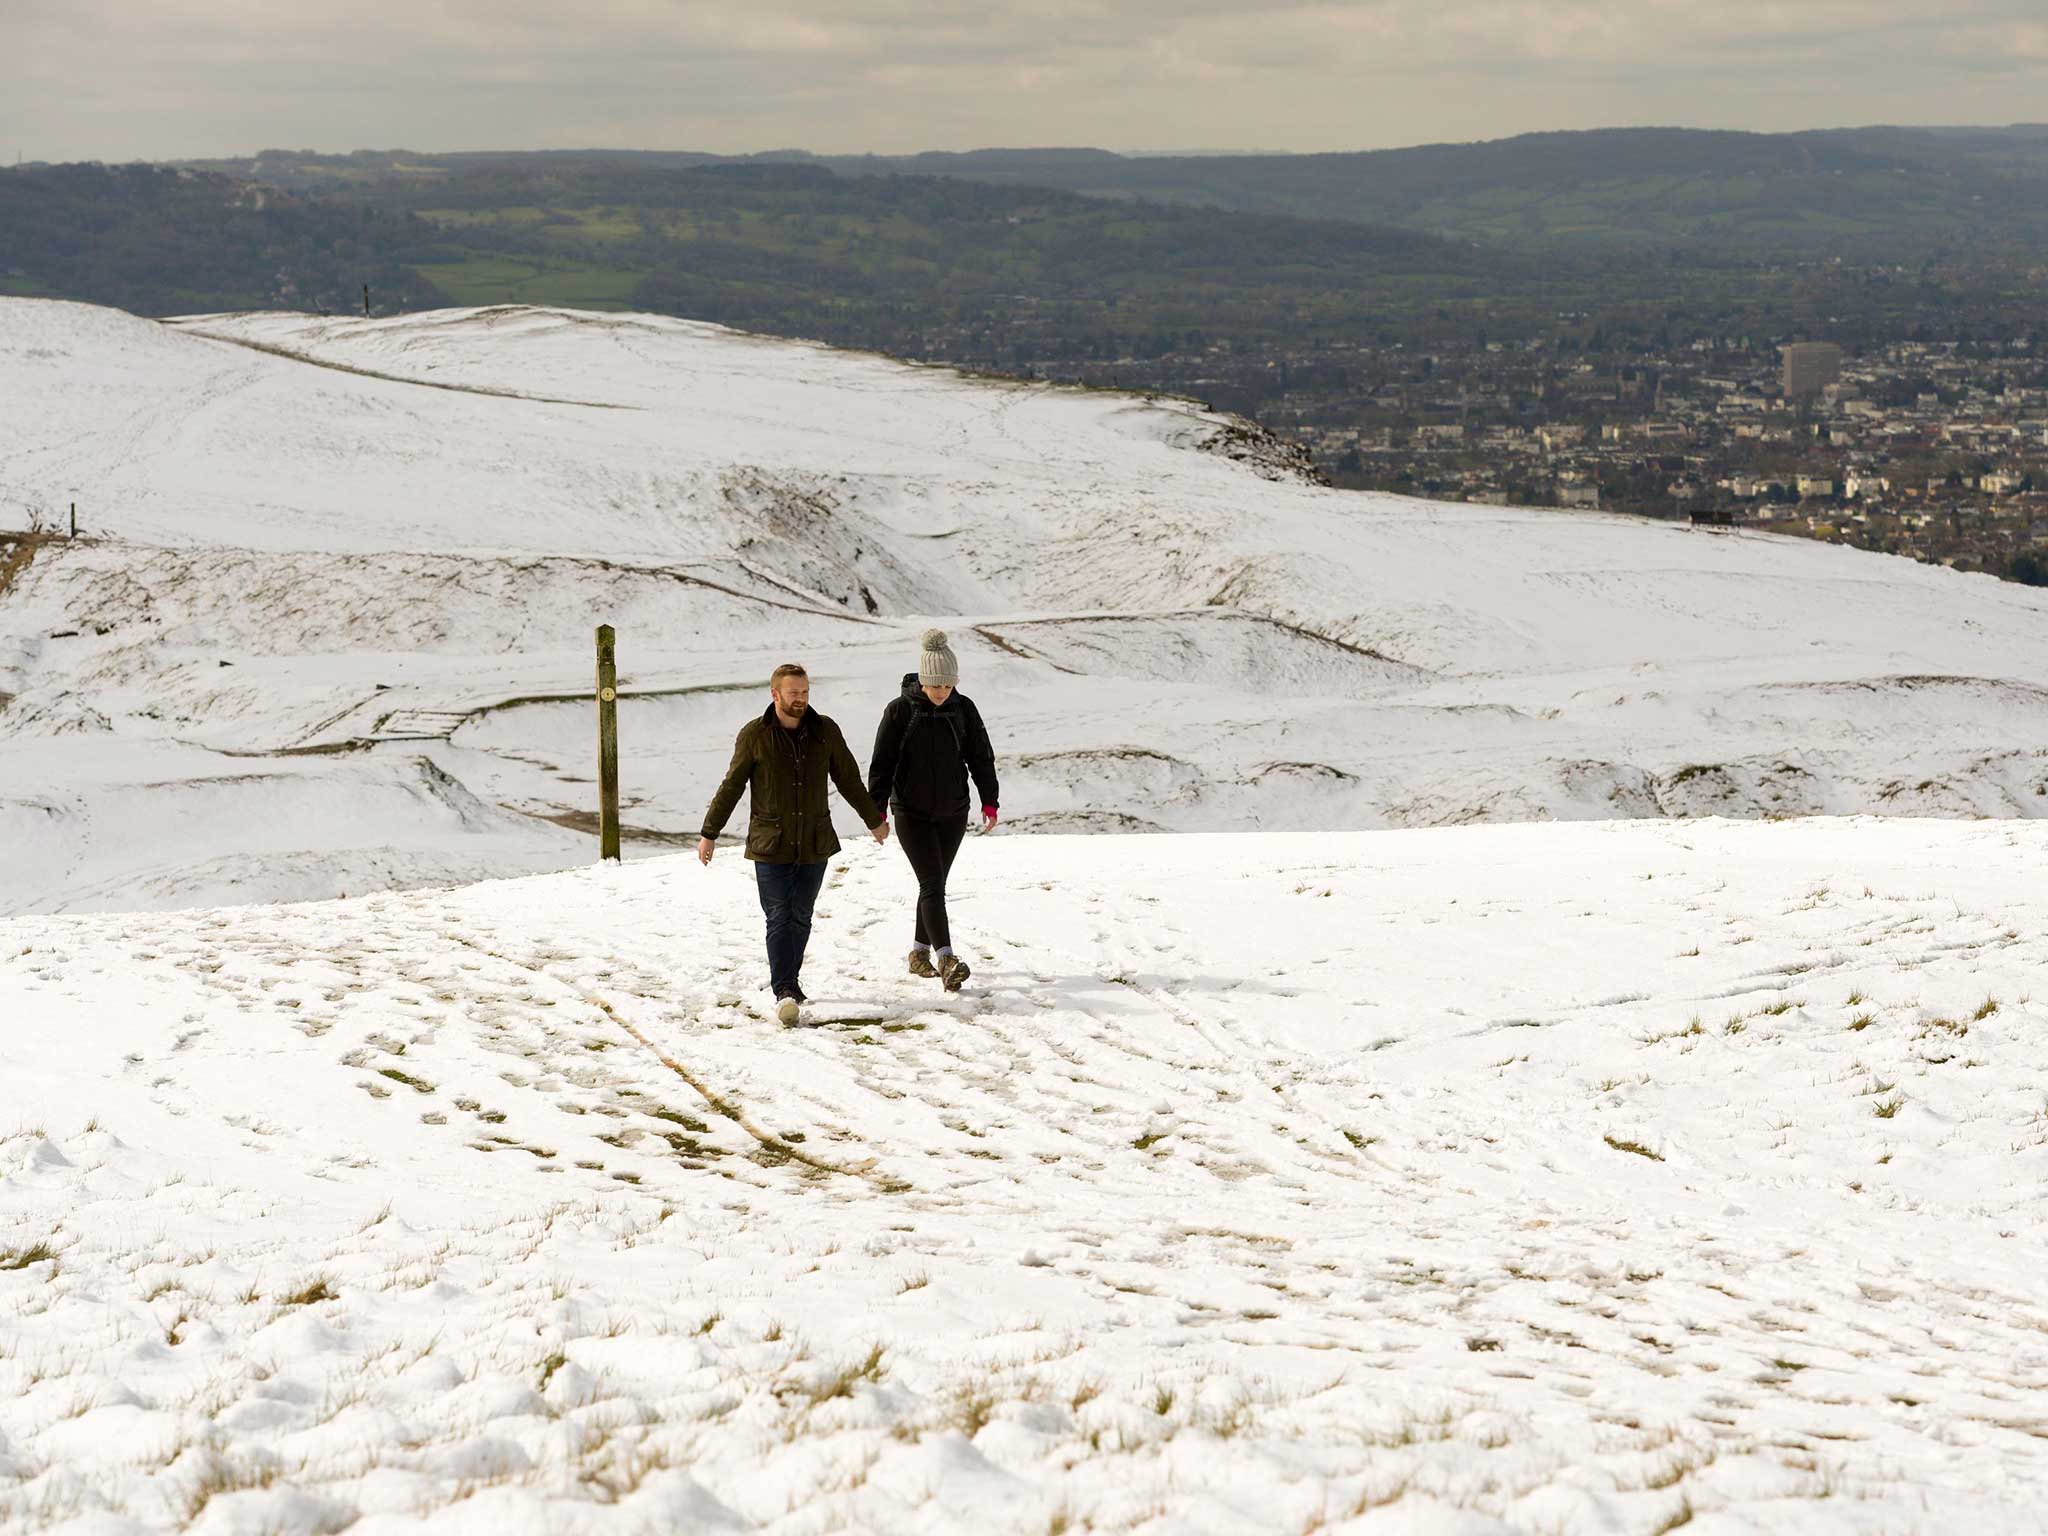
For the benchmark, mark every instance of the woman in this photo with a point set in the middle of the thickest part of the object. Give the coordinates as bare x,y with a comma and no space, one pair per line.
931,739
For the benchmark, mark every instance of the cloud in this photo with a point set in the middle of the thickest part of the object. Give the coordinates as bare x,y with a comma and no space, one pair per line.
109,79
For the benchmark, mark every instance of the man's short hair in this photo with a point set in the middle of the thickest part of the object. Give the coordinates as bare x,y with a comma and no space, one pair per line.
787,669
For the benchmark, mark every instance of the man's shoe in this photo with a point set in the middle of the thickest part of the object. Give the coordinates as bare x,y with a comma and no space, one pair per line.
921,963
785,1010
799,994
952,971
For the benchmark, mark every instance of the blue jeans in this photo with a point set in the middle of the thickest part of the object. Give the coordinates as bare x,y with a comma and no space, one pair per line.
788,892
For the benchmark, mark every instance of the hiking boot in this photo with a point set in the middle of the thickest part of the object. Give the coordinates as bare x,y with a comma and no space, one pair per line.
921,963
952,971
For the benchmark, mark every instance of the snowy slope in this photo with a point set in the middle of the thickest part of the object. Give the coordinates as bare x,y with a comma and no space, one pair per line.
368,555
1612,1178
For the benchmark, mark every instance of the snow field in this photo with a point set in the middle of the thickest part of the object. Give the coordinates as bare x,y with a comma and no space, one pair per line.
354,551
1619,1178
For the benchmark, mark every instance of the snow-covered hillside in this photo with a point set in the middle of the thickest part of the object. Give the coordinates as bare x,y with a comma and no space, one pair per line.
1612,1178
332,629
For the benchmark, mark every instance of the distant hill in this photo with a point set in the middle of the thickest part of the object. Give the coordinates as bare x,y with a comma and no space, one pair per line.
774,244
1896,191
1799,191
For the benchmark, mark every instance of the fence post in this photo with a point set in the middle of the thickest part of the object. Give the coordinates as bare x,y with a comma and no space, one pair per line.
74,519
366,298
607,747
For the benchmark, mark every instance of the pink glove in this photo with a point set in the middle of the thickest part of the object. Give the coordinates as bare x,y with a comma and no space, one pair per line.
988,818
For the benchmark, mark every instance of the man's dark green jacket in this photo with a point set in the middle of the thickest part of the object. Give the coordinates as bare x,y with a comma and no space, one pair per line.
785,772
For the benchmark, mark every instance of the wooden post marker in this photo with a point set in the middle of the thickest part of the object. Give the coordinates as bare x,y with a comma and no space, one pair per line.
607,747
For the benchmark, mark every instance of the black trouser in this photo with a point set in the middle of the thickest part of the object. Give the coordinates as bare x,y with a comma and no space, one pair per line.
788,893
931,846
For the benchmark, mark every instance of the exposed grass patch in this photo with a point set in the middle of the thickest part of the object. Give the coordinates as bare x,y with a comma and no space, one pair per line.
972,1410
316,1289
1149,1139
1636,1147
21,1258
1862,1021
842,1382
417,1085
1985,1009
1889,1107
549,1366
218,1475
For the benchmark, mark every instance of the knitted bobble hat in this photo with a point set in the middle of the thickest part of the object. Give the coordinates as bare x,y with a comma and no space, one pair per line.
936,665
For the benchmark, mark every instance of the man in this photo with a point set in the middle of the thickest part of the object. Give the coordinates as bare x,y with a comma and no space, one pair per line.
783,759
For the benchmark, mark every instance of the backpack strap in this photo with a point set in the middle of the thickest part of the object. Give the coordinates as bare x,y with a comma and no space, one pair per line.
950,716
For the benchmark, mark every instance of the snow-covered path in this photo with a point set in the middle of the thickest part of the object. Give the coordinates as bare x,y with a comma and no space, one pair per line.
1573,1178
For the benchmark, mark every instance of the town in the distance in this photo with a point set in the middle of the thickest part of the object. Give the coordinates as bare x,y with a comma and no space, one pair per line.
1936,450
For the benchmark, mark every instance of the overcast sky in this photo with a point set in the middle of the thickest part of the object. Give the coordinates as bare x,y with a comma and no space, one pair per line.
160,79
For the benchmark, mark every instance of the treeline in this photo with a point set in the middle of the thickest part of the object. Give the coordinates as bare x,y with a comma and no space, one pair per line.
879,262
158,241
980,273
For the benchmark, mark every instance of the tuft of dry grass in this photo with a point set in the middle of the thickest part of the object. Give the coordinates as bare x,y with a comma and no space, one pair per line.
22,1258
553,1363
842,1382
972,1409
1636,1147
318,1288
217,1474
